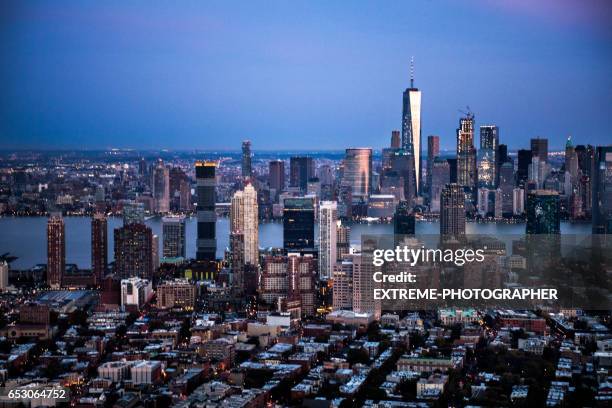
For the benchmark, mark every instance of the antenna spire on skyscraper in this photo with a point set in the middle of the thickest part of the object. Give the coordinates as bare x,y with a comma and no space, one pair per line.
412,72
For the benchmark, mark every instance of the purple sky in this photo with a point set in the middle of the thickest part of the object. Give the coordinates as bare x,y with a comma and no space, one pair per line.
299,75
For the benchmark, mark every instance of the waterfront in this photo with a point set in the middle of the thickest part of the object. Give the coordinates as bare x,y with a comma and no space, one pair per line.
25,237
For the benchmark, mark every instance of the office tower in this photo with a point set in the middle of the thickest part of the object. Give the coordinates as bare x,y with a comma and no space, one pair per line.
482,201
364,285
602,190
185,196
539,148
325,173
4,275
133,251
518,201
135,293
452,210
244,219
489,144
506,185
176,294
440,177
301,169
402,164
236,242
452,168
524,160
247,170
343,240
133,213
161,187
274,283
277,175
314,187
345,200
403,219
56,250
358,172
328,220
489,138
298,223
571,165
486,169
99,246
466,153
303,267
142,167
207,218
174,237
396,141
411,126
433,151
500,158
177,178
538,171
586,159
342,298
155,252
543,212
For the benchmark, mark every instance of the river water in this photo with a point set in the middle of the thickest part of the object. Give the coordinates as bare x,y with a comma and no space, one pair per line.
25,237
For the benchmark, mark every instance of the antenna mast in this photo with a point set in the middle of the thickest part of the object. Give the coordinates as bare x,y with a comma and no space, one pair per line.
412,72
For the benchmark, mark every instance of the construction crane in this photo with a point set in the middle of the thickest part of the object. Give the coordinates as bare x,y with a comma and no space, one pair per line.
467,112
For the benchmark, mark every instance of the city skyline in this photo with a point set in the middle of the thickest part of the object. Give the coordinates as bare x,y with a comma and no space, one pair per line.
164,89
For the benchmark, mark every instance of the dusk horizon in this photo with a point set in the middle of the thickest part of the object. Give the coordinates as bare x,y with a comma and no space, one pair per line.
208,76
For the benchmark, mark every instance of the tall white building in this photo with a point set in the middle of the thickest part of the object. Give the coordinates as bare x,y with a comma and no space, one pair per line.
411,125
244,219
328,218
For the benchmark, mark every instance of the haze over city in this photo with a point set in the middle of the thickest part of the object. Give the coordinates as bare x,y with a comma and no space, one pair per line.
308,75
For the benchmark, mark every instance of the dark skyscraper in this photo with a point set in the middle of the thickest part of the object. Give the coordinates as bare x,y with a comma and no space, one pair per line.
524,160
433,151
56,250
543,212
99,246
403,219
602,190
489,137
586,159
247,170
396,141
440,177
506,185
452,169
411,125
500,158
207,218
133,251
402,163
539,148
452,210
277,175
301,169
298,223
